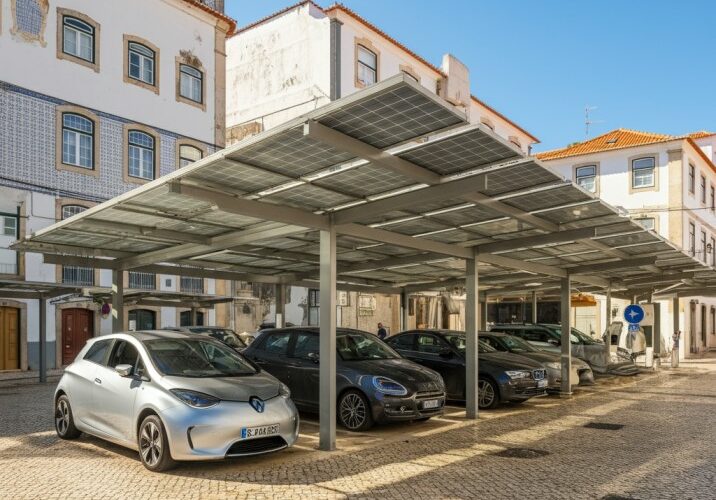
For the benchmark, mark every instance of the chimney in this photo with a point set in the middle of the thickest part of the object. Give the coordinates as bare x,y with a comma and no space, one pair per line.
456,87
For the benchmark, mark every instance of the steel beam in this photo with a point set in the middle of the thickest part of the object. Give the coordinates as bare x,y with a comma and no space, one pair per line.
534,307
327,342
534,267
280,310
542,239
614,265
117,300
509,210
120,229
566,327
43,340
471,328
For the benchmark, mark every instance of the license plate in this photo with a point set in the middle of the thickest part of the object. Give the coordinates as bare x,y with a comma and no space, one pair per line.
430,404
263,430
542,383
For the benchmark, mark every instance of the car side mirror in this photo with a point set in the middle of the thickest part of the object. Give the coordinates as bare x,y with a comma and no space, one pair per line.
553,341
445,352
313,356
124,370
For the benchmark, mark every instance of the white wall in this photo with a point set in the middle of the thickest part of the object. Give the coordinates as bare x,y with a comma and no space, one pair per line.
165,23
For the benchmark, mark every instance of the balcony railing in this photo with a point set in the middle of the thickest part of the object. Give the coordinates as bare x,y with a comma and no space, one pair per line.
142,281
191,285
74,275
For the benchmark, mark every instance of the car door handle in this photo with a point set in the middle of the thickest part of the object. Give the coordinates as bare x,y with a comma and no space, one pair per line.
97,381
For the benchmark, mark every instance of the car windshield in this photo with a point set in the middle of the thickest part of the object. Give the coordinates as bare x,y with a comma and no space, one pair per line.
458,342
357,346
224,335
516,344
576,337
196,358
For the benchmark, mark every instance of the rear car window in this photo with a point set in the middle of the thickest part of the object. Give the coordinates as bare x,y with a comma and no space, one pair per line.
402,342
98,352
306,342
277,343
429,344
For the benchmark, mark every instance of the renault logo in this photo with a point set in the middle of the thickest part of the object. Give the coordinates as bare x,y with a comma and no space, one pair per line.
257,404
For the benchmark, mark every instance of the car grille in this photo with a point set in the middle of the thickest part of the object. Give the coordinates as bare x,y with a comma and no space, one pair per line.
538,374
420,395
256,446
429,387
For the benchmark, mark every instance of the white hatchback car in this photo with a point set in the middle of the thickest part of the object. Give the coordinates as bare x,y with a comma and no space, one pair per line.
173,396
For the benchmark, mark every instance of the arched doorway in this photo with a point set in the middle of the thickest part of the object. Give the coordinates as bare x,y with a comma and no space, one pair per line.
142,319
185,318
9,338
77,328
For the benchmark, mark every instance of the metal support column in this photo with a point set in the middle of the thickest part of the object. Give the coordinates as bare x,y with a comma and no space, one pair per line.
43,339
482,317
280,316
327,371
608,341
405,310
566,327
472,306
534,307
192,314
117,300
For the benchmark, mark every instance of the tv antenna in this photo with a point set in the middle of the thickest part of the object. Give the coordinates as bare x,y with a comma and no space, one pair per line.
587,120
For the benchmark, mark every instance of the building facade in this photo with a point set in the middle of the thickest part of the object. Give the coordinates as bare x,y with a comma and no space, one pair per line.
96,100
305,56
668,184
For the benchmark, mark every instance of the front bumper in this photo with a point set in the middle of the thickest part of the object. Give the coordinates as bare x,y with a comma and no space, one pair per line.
393,408
215,433
520,390
555,378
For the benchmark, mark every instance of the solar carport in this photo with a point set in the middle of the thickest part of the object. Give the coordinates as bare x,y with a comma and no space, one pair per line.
387,190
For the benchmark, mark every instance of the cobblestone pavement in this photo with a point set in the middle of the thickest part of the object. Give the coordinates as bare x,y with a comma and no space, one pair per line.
665,450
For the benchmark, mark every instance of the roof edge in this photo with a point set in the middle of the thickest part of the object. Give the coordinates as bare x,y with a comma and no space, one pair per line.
521,129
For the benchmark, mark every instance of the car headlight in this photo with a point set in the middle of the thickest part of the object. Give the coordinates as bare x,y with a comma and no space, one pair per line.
195,399
555,365
518,374
284,391
389,386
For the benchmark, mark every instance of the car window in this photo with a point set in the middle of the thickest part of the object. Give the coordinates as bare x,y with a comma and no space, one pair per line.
277,343
429,344
124,353
492,342
360,346
306,342
98,352
535,335
404,342
224,335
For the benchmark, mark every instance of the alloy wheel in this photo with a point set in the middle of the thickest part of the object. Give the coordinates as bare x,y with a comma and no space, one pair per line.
485,394
353,411
150,444
62,417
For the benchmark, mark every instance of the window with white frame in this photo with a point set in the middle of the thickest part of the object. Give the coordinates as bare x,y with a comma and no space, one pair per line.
9,225
586,177
142,60
9,231
142,281
703,189
70,210
313,306
704,251
78,38
367,65
692,238
191,83
692,179
77,141
141,151
643,172
647,222
188,155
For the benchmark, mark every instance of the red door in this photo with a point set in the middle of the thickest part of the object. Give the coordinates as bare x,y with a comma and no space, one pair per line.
77,327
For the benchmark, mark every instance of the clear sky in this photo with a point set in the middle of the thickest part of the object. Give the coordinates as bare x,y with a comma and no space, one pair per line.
645,64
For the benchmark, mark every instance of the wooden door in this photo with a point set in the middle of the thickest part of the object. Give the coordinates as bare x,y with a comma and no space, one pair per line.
77,328
9,338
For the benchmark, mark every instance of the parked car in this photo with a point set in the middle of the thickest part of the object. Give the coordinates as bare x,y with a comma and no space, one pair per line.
502,376
173,396
581,372
549,337
220,333
373,384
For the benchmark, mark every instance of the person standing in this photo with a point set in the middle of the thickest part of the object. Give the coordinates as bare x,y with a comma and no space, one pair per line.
382,332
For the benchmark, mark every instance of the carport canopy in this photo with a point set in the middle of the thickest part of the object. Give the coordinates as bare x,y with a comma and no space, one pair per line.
391,190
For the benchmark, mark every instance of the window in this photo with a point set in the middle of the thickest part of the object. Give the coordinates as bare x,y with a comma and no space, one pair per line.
586,177
704,253
9,225
402,342
98,352
643,172
713,320
647,222
124,353
703,189
189,154
277,343
692,179
367,66
141,155
429,344
306,343
488,123
712,199
70,210
713,251
77,141
313,306
141,62
692,238
191,83
78,38
9,231
30,20
191,285
142,281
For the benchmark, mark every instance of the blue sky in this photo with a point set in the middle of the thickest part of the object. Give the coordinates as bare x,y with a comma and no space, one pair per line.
645,64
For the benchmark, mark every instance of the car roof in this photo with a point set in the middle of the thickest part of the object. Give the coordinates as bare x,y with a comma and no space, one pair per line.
313,329
143,335
519,325
440,331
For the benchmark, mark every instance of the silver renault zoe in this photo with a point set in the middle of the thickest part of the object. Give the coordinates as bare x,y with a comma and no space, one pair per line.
173,396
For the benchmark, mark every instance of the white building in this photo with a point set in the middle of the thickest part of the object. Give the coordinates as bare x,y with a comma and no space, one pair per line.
305,56
667,183
95,99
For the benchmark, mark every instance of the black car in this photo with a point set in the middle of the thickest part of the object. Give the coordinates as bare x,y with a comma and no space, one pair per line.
502,376
373,384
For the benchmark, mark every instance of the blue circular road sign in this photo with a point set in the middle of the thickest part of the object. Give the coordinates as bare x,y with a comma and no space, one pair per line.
634,313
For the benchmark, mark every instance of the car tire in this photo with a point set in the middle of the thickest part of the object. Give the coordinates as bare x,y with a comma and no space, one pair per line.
64,420
153,445
354,411
488,395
